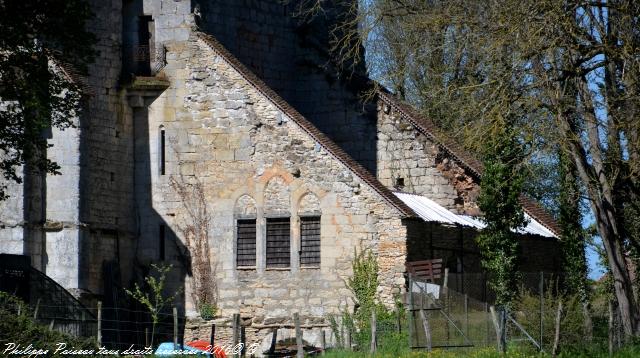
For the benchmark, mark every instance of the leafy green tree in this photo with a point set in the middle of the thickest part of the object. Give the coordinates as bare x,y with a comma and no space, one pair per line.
34,94
502,183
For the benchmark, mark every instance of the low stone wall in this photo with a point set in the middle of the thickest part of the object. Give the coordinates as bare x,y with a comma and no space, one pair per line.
255,334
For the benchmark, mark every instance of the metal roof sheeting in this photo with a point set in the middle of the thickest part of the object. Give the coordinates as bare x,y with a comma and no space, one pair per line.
431,211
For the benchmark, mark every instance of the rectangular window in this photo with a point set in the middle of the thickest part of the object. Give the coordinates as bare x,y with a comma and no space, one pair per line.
161,235
310,241
278,242
246,239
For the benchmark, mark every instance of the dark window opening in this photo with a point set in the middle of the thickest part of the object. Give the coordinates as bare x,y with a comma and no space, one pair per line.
142,54
278,242
162,152
161,235
399,183
310,241
246,240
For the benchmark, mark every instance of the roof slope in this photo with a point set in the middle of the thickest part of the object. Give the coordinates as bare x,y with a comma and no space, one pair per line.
307,126
428,128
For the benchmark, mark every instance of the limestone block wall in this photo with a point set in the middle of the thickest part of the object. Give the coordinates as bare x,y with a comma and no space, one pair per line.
421,166
290,52
251,158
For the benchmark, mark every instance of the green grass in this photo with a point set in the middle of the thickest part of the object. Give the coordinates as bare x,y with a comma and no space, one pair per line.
514,352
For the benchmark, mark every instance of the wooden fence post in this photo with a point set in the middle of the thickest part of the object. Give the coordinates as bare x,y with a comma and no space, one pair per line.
274,337
243,340
35,312
146,336
299,345
374,343
466,314
99,324
347,342
175,327
496,325
213,334
235,327
427,329
410,312
323,341
487,325
556,338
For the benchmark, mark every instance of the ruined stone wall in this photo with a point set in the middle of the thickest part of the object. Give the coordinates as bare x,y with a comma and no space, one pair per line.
252,159
424,168
291,54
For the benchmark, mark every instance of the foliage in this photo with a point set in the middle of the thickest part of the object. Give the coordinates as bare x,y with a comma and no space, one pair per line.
35,95
499,200
17,326
207,311
574,261
364,283
153,297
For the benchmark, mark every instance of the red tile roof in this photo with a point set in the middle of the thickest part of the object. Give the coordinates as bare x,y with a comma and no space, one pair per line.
307,126
428,128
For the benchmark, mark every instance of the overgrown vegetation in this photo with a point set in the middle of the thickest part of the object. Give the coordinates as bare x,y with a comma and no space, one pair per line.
17,326
501,187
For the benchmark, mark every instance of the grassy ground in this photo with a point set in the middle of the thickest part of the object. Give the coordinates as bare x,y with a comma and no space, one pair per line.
515,352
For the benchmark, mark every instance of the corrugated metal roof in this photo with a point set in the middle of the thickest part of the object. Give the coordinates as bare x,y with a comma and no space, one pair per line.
431,211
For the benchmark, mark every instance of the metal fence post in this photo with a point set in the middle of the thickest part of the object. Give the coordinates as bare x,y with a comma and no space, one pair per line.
541,308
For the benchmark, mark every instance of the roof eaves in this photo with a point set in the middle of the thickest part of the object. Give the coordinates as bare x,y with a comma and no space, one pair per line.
307,126
71,74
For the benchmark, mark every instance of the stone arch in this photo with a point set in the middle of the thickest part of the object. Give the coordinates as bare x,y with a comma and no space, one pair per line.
245,207
277,197
309,204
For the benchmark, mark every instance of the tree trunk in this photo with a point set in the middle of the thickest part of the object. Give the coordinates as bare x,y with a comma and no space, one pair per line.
618,269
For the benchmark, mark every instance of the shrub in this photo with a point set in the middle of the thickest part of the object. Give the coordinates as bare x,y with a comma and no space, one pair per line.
17,326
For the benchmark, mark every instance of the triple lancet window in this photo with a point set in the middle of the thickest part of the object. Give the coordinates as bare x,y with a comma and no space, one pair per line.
273,242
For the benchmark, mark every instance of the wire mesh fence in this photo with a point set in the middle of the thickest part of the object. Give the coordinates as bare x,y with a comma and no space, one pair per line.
452,314
460,315
114,327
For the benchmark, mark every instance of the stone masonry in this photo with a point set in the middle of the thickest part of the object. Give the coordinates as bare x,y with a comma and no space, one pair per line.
238,114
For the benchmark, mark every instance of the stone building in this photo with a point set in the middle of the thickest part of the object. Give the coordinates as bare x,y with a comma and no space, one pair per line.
217,137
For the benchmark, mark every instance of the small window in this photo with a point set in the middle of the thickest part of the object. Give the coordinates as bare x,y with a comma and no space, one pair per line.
399,184
310,241
162,151
278,242
246,239
161,235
